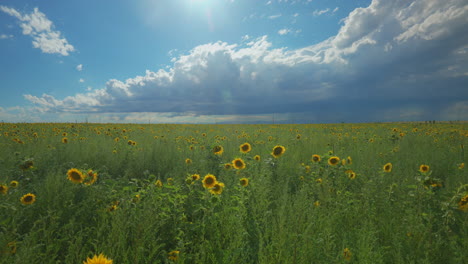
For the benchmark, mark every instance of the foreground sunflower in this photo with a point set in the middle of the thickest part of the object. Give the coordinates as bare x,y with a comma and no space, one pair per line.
173,255
101,259
424,168
463,203
238,164
209,181
244,182
75,176
334,160
388,167
245,148
316,158
278,151
218,150
217,188
28,199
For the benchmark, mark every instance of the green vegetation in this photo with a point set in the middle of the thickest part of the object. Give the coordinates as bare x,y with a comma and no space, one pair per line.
135,198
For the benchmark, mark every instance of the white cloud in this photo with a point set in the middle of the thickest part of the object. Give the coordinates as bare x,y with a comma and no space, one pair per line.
295,15
336,9
268,3
320,12
4,36
40,28
284,31
79,67
274,16
382,51
81,80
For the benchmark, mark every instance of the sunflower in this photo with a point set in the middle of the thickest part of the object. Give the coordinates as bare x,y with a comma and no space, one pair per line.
317,203
3,189
188,161
170,181
173,255
14,184
75,176
424,168
158,183
319,180
463,203
238,164
461,166
333,160
244,182
228,166
93,177
388,167
257,157
347,254
28,198
195,177
245,148
217,188
298,136
64,134
64,140
117,139
352,175
101,259
278,151
218,150
349,160
209,181
316,158
130,142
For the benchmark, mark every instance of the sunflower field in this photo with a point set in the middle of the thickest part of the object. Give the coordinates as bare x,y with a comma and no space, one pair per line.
312,193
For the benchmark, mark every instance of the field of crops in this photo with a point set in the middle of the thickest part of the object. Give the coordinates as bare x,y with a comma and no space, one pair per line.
334,193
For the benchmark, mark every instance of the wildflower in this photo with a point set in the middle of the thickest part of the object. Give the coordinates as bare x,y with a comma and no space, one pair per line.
218,150
28,199
333,160
245,148
173,255
424,168
257,157
244,182
316,158
101,259
14,184
158,183
188,161
463,203
278,151
388,167
347,254
209,181
217,188
3,189
238,164
75,176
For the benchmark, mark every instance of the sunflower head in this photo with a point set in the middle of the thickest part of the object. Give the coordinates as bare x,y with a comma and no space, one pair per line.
316,158
349,160
278,151
388,167
257,157
238,164
64,140
463,203
424,168
245,148
228,166
28,199
101,259
3,189
217,188
333,160
173,255
461,166
244,182
209,181
195,177
188,161
158,183
75,176
347,254
352,175
92,177
218,150
13,184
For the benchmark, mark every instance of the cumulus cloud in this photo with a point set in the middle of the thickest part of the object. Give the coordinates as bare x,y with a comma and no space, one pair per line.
79,67
391,58
40,28
284,31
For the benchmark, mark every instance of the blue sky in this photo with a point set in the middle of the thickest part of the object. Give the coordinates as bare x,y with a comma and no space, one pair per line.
233,61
